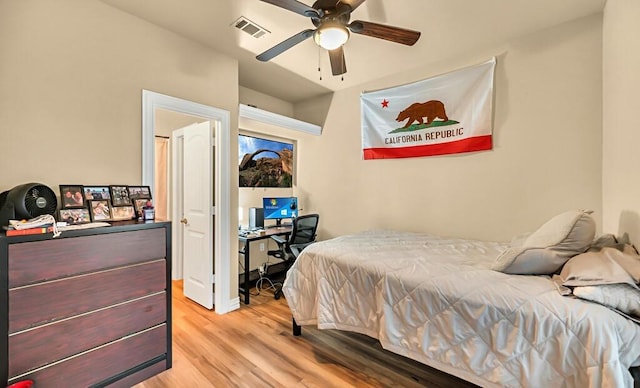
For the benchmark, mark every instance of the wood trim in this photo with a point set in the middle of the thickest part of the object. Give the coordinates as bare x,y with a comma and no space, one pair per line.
263,116
37,261
47,302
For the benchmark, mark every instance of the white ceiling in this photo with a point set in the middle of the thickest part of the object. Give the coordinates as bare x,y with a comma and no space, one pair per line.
449,28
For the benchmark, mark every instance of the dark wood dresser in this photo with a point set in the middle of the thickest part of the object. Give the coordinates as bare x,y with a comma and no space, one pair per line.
91,307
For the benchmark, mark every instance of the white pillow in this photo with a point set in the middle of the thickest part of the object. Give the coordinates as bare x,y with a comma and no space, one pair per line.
607,266
621,297
546,250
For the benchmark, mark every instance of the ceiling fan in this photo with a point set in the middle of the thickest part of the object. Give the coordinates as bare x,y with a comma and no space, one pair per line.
331,19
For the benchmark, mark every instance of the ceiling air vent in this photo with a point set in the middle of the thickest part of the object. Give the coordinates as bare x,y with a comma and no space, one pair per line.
249,27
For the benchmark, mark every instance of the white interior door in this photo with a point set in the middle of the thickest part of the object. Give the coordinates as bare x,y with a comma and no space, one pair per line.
197,219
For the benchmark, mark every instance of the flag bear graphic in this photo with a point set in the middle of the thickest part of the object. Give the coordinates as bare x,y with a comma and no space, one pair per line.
418,111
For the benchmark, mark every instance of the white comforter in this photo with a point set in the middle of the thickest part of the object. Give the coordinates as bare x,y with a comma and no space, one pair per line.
435,300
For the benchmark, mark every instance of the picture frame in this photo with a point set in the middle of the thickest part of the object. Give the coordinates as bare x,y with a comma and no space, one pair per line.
96,193
138,204
71,197
121,213
120,195
138,192
75,216
100,210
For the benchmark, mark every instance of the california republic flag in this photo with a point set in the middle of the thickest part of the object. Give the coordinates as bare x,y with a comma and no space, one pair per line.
447,114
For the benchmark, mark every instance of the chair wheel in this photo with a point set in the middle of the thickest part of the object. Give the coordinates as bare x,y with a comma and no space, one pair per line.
278,293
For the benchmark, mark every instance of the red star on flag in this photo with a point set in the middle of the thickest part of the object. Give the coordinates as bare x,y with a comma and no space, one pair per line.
385,103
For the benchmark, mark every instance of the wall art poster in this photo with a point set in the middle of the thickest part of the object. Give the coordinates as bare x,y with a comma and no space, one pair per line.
265,162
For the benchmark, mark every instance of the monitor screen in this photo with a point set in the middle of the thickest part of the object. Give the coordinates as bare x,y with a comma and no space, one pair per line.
276,208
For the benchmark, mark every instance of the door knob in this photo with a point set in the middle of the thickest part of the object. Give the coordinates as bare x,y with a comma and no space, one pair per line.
184,221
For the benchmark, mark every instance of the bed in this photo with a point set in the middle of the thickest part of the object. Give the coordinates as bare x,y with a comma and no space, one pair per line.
437,300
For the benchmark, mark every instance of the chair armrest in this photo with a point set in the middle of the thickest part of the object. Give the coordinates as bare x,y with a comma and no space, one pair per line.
279,240
297,248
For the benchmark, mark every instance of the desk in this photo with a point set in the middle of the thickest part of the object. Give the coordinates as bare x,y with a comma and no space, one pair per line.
246,252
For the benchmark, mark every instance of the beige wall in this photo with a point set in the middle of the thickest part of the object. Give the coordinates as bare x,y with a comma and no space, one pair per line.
71,78
168,121
621,132
546,158
72,72
265,102
313,111
252,197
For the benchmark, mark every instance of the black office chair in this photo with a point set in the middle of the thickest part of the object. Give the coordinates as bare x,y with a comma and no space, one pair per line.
303,234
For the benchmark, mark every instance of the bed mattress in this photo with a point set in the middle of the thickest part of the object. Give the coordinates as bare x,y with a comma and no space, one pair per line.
435,300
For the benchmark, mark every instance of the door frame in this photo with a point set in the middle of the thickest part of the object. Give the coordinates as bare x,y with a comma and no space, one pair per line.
221,122
177,144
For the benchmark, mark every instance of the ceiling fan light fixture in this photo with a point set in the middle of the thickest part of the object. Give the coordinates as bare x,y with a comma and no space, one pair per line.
331,35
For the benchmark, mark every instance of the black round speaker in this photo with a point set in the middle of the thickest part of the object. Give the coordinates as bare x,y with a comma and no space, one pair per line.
3,198
31,200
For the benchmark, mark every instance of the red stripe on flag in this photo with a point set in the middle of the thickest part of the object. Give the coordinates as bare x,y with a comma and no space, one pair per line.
479,143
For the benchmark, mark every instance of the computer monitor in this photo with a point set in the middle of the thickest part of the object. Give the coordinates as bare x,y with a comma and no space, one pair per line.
279,208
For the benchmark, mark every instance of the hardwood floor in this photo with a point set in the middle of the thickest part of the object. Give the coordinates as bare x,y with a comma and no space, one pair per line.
254,347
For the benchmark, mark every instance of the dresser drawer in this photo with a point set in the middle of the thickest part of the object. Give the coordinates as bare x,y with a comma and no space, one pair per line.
140,376
72,336
102,363
36,261
51,301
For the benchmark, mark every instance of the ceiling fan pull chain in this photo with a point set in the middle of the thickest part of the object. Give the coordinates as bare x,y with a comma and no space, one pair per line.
319,69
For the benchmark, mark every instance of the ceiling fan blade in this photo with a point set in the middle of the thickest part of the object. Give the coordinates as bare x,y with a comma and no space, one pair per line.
295,6
352,3
338,64
390,33
285,45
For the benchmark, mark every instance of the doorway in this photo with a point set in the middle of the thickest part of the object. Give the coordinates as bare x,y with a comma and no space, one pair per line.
220,119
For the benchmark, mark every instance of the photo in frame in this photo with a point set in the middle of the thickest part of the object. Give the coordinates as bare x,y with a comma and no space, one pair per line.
120,213
138,192
96,192
120,196
71,197
75,216
100,210
138,204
